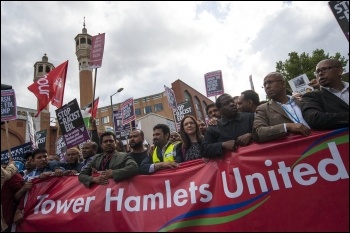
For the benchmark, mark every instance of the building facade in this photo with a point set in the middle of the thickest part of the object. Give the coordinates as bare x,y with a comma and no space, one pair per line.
157,104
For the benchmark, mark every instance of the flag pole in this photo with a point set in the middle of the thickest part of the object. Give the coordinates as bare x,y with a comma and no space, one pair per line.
93,97
7,141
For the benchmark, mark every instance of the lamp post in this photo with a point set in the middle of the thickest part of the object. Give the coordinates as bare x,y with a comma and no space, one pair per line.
112,119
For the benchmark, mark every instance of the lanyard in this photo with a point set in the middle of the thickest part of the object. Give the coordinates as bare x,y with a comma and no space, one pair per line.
295,115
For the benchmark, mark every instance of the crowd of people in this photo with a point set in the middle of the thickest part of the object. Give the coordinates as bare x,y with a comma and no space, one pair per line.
233,122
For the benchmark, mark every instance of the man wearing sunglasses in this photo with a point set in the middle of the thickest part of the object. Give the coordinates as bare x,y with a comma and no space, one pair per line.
327,108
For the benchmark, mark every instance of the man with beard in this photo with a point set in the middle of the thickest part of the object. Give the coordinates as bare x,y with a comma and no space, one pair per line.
280,115
111,164
248,101
164,155
233,129
88,150
73,165
139,152
327,108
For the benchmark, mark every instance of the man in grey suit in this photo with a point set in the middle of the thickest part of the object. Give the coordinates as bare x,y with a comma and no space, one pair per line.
327,108
111,164
280,115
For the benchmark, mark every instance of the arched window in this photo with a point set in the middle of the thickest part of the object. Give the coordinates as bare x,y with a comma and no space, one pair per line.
82,40
204,107
41,69
198,108
89,41
47,69
187,96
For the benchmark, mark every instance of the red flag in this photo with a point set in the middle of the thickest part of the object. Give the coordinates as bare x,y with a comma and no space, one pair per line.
50,87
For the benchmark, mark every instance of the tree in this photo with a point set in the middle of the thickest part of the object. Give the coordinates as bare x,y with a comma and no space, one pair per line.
304,64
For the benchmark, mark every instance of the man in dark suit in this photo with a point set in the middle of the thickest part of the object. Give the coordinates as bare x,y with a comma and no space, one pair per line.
233,129
280,115
327,108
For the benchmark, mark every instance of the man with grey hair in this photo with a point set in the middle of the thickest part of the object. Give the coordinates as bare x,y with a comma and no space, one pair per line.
327,108
280,115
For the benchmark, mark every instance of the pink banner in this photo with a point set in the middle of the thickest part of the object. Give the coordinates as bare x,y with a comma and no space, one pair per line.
293,184
96,52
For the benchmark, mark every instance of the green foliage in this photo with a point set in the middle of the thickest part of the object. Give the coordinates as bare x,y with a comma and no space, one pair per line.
304,64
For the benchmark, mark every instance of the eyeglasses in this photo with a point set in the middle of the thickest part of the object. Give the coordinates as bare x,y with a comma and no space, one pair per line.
323,69
270,82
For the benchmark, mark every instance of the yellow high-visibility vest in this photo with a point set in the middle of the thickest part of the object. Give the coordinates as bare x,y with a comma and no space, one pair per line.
169,154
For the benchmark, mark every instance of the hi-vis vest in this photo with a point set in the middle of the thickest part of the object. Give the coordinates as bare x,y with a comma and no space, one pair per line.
169,154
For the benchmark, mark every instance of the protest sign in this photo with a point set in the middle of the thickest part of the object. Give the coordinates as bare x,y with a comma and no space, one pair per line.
8,105
300,85
171,98
340,11
61,148
72,124
183,109
41,138
96,52
214,83
17,153
128,111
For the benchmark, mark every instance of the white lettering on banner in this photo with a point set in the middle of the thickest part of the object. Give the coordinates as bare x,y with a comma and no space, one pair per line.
298,172
41,140
303,174
179,198
43,83
47,206
68,117
343,7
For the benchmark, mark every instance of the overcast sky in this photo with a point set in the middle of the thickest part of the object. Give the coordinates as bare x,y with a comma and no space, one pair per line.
152,44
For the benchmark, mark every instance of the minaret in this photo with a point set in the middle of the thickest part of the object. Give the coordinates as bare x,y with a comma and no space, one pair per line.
41,68
82,51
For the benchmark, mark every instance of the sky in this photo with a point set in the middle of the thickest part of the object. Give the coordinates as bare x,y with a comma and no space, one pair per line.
152,44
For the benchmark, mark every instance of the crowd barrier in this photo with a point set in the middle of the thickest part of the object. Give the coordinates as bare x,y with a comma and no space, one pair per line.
293,184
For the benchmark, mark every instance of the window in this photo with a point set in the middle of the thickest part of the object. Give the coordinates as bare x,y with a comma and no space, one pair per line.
158,107
198,108
187,96
77,42
136,101
157,96
137,111
89,41
82,41
105,120
47,69
147,109
97,121
41,69
204,107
